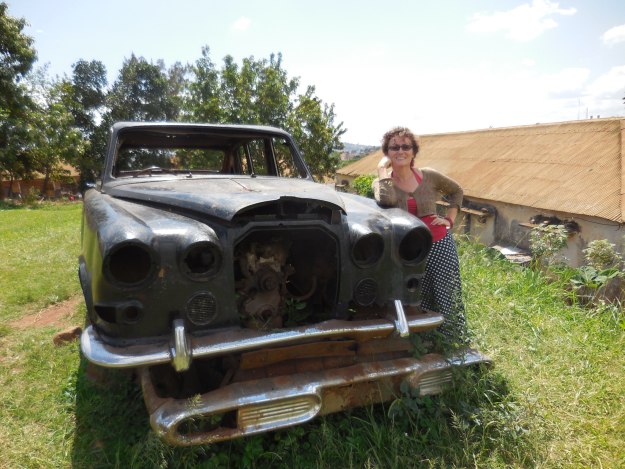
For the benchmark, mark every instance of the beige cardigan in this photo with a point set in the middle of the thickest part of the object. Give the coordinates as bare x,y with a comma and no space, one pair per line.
432,186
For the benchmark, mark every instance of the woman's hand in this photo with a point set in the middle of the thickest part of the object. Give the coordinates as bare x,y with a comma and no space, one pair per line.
443,221
385,162
383,165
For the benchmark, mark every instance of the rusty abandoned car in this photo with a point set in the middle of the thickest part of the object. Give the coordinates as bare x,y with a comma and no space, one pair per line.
246,296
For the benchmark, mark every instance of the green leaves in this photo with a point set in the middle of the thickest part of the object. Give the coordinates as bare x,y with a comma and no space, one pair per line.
260,92
142,93
17,56
255,91
363,185
588,276
546,241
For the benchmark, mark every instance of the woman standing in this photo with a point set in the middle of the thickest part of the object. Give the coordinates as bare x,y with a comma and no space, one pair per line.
417,190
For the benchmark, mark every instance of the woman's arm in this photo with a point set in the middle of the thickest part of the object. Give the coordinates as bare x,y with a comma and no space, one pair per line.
383,167
454,194
383,187
452,213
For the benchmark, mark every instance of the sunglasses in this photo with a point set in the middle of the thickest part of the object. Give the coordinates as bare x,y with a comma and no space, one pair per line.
403,147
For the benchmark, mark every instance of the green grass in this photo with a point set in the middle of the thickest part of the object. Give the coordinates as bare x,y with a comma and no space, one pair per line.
553,399
38,252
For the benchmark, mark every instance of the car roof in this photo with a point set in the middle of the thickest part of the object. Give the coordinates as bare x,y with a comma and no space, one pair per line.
118,126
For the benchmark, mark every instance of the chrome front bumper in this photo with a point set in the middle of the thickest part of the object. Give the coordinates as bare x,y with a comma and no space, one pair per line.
181,347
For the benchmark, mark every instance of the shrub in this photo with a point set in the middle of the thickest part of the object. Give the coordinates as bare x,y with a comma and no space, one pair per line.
601,278
601,254
546,241
363,185
31,199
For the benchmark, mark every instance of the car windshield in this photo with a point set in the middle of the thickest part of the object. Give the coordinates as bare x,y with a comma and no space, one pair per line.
155,153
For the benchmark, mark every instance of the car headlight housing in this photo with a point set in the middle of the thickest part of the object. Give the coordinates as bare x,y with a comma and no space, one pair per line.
129,264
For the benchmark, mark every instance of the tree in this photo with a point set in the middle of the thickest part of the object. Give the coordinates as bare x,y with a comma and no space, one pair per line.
236,92
85,99
274,92
260,92
88,93
141,93
16,162
177,88
53,139
312,125
17,56
204,103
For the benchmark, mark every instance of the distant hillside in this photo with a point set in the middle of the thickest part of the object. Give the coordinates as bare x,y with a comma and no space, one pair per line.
356,148
353,151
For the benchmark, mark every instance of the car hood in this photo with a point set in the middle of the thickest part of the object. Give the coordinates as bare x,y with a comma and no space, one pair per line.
223,197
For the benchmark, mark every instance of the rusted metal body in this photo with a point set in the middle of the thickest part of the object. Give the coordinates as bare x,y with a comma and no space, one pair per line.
282,400
247,296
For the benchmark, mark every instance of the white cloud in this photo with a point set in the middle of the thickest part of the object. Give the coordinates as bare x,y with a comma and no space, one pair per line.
614,35
610,85
489,96
241,24
565,81
523,23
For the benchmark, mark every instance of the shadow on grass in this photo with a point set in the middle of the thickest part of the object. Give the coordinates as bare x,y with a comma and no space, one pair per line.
113,429
475,422
110,419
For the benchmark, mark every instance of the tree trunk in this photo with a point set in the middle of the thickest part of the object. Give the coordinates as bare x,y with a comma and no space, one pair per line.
46,181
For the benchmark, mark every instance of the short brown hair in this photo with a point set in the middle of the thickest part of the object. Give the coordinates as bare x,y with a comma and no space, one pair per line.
400,132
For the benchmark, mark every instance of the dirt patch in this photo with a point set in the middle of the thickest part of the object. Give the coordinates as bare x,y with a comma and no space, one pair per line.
59,314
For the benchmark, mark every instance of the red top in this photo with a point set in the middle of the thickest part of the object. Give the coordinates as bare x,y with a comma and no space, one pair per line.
438,231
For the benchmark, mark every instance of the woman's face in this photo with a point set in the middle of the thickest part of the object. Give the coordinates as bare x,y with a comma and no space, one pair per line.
400,151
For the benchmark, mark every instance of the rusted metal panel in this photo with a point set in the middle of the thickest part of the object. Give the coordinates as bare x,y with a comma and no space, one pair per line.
317,350
259,405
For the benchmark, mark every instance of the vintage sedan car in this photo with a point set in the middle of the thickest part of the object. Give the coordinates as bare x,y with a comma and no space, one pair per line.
246,296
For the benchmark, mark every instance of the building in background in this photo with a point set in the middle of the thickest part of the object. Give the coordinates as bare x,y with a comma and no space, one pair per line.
67,184
570,173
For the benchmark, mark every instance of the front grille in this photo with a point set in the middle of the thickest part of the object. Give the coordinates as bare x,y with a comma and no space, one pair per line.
202,309
366,291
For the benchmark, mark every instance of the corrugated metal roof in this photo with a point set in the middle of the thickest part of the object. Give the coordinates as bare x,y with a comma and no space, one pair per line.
573,167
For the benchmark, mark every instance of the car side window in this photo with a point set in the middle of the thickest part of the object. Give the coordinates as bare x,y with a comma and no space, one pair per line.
256,149
284,159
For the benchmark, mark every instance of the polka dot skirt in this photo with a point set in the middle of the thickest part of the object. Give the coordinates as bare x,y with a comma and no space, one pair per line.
442,288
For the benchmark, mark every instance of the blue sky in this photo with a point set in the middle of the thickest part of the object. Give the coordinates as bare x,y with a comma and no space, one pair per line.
434,66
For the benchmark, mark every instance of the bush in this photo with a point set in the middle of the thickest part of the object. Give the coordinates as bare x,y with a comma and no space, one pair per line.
601,254
546,241
363,185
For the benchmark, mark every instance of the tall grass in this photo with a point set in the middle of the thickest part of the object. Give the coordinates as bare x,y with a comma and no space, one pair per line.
565,363
553,399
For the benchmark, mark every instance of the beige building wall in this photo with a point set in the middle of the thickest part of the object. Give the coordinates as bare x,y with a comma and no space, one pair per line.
510,226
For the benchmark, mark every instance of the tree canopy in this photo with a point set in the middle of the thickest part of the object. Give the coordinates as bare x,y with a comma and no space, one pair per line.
261,92
46,124
17,56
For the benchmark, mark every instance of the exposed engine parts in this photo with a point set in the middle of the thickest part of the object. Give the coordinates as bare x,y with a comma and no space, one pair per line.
284,278
262,289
